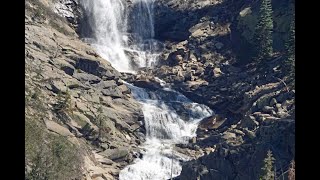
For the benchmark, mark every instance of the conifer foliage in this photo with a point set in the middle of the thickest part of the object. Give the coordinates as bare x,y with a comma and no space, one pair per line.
267,169
290,60
263,31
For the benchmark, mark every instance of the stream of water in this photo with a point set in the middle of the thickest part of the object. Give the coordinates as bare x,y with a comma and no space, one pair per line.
125,37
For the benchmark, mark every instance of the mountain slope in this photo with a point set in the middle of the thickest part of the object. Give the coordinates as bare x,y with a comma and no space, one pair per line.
75,98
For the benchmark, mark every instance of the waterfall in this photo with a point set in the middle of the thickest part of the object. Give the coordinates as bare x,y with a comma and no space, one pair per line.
125,37
108,20
141,18
165,128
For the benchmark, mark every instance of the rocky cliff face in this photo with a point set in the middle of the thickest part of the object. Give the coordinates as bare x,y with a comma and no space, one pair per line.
255,107
73,94
226,21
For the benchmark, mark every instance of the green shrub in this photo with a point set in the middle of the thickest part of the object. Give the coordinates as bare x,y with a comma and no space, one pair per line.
64,102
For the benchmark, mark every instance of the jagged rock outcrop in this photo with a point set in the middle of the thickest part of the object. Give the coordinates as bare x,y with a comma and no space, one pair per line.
254,107
73,93
177,20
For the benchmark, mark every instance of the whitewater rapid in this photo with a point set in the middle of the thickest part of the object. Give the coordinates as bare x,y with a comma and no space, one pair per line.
125,37
164,128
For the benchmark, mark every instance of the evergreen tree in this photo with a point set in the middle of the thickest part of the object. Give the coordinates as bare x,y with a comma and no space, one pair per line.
290,46
263,31
267,169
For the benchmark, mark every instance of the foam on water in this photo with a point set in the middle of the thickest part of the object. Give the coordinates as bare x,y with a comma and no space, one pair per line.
124,37
164,129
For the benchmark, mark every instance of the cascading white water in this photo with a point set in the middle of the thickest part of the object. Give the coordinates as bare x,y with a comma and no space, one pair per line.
165,128
125,38
108,20
141,18
125,50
